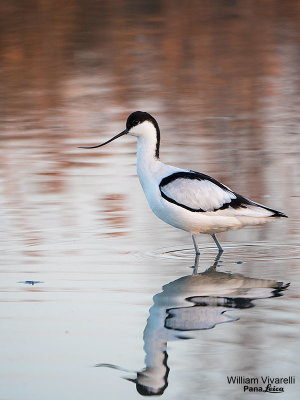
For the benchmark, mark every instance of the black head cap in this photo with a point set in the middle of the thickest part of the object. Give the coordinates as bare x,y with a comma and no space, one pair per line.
137,118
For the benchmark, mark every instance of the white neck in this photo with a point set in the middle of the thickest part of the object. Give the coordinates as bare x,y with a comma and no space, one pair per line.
146,134
147,163
146,148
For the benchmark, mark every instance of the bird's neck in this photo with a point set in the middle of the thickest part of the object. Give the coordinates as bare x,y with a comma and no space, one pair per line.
147,155
148,145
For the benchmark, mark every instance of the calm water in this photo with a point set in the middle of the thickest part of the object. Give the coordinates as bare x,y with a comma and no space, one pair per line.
89,276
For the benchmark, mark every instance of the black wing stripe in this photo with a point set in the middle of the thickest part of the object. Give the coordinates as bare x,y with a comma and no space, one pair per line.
179,204
191,175
238,202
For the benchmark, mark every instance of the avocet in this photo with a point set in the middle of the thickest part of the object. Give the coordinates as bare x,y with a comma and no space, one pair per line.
186,199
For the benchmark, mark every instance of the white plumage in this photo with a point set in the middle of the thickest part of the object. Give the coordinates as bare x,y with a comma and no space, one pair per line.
196,194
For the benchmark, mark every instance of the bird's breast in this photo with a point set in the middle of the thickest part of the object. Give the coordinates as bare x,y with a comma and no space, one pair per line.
150,175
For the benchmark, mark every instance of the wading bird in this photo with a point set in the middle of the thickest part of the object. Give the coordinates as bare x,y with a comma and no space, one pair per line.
187,199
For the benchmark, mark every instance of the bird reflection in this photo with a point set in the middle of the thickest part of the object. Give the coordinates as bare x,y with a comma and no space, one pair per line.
194,302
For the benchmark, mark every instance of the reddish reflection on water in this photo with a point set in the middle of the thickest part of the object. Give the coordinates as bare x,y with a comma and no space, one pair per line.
222,79
219,75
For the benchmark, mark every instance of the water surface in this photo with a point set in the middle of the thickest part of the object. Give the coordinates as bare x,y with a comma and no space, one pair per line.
89,275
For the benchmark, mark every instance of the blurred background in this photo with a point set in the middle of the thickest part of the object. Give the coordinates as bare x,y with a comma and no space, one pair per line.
222,80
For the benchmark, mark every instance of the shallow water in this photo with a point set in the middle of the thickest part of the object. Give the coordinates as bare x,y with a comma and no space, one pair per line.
89,276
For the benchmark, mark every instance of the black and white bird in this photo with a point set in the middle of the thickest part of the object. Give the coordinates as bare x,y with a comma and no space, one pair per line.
186,199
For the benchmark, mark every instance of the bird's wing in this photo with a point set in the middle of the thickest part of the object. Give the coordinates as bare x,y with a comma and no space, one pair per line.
199,192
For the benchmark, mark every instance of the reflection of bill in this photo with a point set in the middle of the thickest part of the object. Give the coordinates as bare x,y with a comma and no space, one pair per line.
193,302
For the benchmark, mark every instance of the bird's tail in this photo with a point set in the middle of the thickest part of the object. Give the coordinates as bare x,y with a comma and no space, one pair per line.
275,213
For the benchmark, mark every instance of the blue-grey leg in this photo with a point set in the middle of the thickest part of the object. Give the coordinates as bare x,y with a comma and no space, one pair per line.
215,264
196,264
197,251
217,243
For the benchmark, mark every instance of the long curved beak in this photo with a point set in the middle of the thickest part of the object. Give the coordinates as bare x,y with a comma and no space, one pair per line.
110,140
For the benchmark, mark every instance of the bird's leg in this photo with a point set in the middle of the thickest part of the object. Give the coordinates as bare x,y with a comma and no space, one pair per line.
197,254
217,259
213,267
215,264
196,245
195,270
218,244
